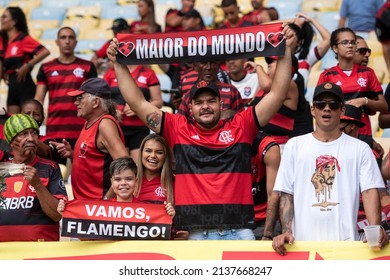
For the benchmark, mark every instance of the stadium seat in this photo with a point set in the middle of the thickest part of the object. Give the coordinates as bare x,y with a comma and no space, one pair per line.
49,34
376,47
88,46
83,12
175,3
47,13
82,25
96,33
126,11
43,24
52,47
126,2
165,84
286,9
104,4
329,60
320,6
379,65
330,20
4,3
36,26
26,5
106,23
165,81
59,4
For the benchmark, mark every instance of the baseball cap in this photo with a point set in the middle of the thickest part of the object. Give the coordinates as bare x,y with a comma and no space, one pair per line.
203,86
328,88
119,24
227,3
95,86
353,115
16,124
190,13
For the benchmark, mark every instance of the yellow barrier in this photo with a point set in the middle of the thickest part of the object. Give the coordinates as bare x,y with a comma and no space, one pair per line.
188,250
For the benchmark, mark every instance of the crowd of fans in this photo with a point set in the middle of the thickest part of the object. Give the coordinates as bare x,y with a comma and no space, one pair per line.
123,142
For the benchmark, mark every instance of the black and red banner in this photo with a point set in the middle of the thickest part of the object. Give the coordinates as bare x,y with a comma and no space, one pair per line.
206,45
111,220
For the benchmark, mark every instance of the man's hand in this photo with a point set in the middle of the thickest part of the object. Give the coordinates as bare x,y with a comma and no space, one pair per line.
64,149
112,50
278,242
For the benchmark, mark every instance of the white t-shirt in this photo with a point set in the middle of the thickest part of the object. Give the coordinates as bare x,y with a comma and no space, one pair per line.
247,86
327,213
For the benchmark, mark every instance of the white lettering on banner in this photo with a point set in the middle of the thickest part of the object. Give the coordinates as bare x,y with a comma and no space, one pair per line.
237,43
23,202
197,46
116,230
159,48
116,212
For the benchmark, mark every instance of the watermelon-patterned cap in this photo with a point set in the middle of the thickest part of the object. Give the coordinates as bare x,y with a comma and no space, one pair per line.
18,123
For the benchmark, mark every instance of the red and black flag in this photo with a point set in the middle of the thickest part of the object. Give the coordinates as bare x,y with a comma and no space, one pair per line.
206,45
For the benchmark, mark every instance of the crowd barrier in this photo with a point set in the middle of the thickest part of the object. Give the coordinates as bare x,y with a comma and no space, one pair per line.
188,250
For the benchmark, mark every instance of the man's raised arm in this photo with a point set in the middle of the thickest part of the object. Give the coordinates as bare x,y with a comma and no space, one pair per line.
147,112
273,100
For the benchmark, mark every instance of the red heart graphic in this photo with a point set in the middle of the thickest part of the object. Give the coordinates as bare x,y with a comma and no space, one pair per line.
275,38
126,48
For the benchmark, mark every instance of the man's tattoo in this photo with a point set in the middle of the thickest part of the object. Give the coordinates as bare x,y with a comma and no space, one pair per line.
286,211
153,120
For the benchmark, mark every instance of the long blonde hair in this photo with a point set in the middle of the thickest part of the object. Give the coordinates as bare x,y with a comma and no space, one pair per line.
166,171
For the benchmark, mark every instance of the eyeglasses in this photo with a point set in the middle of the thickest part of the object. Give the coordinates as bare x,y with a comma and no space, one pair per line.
363,51
80,97
347,42
333,105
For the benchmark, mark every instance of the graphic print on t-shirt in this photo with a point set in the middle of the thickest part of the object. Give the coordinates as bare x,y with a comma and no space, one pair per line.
323,179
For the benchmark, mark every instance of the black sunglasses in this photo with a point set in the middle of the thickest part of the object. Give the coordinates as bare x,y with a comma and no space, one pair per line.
363,51
333,105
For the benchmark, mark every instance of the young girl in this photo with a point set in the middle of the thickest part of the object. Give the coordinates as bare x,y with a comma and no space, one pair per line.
155,174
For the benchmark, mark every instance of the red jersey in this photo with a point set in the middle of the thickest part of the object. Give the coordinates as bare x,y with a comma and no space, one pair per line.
102,52
21,217
281,124
241,23
20,50
169,28
255,16
152,191
90,170
213,174
259,177
135,24
144,78
59,78
361,83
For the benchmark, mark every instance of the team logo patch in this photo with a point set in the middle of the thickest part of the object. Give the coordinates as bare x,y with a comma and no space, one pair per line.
275,38
18,186
126,48
226,136
328,86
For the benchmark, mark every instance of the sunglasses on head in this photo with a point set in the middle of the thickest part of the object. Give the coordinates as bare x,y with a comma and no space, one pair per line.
363,51
333,104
